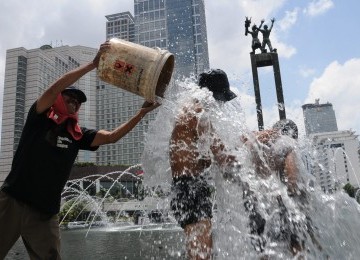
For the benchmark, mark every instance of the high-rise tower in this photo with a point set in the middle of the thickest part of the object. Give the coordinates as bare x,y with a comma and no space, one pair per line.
120,25
319,118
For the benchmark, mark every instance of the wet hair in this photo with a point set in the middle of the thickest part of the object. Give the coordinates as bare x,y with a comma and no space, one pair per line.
217,82
287,127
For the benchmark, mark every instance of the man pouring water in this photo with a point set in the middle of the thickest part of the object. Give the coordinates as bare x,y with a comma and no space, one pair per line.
50,141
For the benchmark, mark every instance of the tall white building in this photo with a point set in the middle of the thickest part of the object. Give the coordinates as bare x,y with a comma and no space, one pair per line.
336,159
27,74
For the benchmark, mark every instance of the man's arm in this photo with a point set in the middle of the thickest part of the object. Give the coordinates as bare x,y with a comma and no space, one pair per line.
217,147
107,137
48,98
221,154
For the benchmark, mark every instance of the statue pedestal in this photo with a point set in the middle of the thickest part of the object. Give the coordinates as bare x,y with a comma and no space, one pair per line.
263,60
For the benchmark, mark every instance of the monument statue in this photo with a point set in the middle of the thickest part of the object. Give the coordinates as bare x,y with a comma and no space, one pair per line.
255,44
266,37
265,33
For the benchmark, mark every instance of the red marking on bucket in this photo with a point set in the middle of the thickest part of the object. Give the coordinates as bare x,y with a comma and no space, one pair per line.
124,67
119,65
129,69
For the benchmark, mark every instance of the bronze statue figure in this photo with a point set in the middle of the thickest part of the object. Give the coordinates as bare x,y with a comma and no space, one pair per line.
255,44
266,37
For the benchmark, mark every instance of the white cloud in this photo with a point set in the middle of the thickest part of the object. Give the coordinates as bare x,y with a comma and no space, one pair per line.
284,50
318,7
340,85
260,8
306,72
289,20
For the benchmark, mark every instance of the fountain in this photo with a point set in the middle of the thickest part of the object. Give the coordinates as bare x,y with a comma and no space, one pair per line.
97,208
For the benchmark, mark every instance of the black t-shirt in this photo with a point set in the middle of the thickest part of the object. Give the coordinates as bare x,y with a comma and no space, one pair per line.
43,161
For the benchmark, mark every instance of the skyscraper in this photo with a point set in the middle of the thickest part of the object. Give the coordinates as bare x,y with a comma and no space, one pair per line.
178,26
319,118
120,25
27,74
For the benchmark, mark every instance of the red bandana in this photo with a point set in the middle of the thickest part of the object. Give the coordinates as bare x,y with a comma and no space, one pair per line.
58,113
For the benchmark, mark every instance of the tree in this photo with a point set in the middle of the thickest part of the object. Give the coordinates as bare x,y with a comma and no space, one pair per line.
349,189
70,211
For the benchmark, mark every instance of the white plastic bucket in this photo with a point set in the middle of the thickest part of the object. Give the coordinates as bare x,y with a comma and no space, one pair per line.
139,69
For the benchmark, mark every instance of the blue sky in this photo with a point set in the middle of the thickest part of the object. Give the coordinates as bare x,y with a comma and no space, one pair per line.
316,42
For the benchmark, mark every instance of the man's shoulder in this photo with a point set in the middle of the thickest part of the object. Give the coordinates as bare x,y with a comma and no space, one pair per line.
86,130
33,114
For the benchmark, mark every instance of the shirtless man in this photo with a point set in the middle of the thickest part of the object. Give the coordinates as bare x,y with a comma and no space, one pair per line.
273,150
282,161
194,146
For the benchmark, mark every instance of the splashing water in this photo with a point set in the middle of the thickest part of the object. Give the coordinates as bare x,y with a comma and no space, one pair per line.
327,225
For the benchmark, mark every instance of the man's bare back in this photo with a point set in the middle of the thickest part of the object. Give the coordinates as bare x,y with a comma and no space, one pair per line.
186,159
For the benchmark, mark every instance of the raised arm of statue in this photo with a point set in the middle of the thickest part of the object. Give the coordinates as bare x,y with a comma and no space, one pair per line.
272,23
261,23
247,31
247,25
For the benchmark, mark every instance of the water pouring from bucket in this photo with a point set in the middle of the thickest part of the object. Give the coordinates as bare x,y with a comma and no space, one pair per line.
327,225
138,69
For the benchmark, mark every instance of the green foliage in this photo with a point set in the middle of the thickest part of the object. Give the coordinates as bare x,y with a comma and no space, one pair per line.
349,189
71,211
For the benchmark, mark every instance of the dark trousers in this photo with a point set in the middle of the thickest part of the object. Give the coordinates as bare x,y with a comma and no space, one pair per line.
40,233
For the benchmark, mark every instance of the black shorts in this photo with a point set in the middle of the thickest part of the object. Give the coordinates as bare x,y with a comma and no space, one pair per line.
192,200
